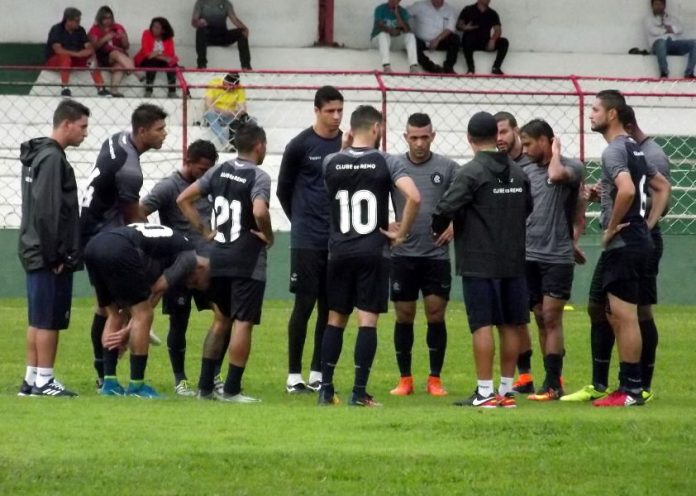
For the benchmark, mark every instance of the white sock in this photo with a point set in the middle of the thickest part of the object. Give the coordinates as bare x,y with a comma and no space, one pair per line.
43,376
314,376
30,375
505,386
294,379
485,388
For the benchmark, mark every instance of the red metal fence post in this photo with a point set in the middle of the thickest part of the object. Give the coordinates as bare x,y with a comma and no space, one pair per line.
581,103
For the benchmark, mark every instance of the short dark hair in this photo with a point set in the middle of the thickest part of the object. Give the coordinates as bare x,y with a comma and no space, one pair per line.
364,117
505,116
482,127
614,100
629,116
145,115
419,120
71,13
247,136
201,149
103,12
536,128
167,30
69,110
653,1
326,94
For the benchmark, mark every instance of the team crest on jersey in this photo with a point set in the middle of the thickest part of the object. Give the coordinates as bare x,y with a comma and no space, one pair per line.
436,178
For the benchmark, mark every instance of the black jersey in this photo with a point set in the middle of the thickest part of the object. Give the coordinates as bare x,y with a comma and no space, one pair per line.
116,179
358,182
233,187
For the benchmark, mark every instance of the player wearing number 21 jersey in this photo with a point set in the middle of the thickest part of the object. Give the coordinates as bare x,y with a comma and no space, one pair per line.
358,182
240,192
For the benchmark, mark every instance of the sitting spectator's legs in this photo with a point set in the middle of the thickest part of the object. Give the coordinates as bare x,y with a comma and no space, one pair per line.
451,45
660,50
210,36
66,61
501,48
470,44
384,42
150,75
410,46
683,47
219,125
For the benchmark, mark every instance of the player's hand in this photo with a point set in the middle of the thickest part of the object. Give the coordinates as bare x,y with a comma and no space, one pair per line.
262,237
245,32
592,193
346,140
117,339
209,235
609,234
202,23
446,236
395,238
579,255
556,146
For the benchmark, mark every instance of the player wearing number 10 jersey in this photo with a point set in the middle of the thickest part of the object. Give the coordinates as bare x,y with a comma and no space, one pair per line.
623,266
358,181
241,192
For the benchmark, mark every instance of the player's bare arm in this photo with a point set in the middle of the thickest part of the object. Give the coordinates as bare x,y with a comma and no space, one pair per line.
407,188
659,195
263,221
186,201
132,212
622,203
558,173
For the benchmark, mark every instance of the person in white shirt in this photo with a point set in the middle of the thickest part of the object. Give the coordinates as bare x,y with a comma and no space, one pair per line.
664,38
434,24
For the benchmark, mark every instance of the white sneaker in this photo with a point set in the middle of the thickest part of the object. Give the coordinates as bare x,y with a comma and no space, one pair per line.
314,382
154,339
184,389
237,398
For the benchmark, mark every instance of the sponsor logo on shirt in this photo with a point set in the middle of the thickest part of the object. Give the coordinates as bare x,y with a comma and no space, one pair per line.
314,157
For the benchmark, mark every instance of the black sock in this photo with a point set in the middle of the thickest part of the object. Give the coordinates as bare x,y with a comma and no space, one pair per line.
365,350
648,332
437,344
330,353
630,377
208,367
553,364
524,362
403,344
223,354
233,382
297,331
110,360
322,318
602,341
137,366
98,322
176,344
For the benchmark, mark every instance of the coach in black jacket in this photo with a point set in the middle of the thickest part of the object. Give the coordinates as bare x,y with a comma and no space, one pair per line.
489,202
49,242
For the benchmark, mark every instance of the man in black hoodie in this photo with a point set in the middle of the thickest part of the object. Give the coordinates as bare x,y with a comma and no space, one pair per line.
49,243
489,202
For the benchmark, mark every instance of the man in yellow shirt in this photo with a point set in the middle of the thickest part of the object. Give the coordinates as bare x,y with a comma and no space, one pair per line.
225,104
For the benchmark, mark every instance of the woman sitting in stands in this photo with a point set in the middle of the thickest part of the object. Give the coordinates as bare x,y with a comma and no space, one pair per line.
157,50
111,45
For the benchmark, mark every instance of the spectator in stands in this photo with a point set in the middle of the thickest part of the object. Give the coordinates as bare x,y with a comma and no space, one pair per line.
68,46
225,103
157,50
391,21
481,30
111,44
664,33
210,20
434,26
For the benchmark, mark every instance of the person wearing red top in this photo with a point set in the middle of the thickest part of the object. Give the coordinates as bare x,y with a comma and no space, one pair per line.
111,44
157,50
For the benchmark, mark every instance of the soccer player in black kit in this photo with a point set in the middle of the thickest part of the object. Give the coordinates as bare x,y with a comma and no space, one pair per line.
358,181
302,195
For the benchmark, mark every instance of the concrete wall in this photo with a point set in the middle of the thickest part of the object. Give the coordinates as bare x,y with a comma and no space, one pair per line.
271,22
586,26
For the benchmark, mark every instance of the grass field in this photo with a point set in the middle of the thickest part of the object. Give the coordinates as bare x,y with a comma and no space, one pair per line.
287,445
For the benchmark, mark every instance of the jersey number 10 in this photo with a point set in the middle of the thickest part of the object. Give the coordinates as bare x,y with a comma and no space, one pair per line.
358,211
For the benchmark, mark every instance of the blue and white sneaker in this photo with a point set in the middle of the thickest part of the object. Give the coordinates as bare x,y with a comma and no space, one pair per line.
142,390
111,387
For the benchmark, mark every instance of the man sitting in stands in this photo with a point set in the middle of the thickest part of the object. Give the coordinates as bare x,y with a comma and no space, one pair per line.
664,33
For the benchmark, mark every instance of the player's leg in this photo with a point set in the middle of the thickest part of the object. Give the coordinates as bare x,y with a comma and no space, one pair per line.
481,301
525,380
216,341
405,286
177,305
322,318
115,326
513,301
437,282
142,315
648,329
30,372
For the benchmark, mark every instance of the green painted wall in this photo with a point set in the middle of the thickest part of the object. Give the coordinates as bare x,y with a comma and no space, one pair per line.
677,282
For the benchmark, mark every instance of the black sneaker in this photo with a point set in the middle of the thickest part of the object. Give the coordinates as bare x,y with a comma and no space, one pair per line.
364,400
327,397
24,389
66,92
52,388
299,388
479,400
104,92
497,71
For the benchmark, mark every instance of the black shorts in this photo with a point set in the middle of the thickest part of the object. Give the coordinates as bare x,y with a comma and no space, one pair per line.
546,279
49,299
649,289
411,275
624,273
178,300
308,271
502,301
116,271
238,298
361,282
